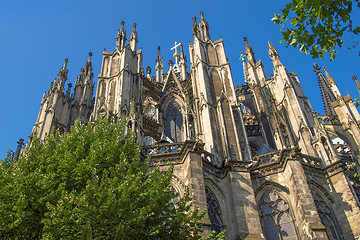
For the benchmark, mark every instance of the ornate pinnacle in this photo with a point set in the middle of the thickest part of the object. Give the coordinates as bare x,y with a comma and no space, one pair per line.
65,64
122,26
90,55
354,77
316,68
148,71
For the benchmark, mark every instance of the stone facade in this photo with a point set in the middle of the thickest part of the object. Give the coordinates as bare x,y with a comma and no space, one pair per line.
257,156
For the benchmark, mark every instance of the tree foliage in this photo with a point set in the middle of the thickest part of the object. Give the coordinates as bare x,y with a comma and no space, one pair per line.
317,26
91,183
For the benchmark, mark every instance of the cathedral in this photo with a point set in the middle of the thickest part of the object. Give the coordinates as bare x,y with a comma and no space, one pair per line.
256,156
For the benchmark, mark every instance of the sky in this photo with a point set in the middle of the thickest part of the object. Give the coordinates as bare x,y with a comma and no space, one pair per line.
36,37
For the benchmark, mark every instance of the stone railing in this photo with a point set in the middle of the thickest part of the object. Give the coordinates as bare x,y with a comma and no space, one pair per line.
276,156
328,119
311,160
163,148
267,157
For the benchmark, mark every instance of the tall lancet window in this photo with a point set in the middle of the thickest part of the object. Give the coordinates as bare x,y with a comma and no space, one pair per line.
276,219
326,216
213,211
174,122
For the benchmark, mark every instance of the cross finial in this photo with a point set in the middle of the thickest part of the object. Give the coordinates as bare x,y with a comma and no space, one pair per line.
245,39
175,46
170,62
354,77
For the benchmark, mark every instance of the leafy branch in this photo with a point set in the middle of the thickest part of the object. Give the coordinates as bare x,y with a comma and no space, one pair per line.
317,26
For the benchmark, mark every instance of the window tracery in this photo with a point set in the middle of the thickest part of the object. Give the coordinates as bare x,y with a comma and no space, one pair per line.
148,140
213,211
174,122
276,219
326,216
150,112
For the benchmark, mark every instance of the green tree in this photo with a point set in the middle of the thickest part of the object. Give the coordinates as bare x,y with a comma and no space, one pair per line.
318,26
91,183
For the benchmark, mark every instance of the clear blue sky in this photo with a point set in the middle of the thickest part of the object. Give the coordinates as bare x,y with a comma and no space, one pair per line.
36,37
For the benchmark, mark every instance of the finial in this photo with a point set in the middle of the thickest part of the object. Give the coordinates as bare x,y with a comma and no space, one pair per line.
66,61
90,55
170,62
316,68
134,27
159,53
194,18
202,15
148,71
176,54
122,25
354,77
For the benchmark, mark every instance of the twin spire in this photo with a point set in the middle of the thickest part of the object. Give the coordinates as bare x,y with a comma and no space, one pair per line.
251,55
201,30
121,38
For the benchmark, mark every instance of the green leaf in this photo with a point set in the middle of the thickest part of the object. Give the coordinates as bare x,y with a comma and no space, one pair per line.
356,30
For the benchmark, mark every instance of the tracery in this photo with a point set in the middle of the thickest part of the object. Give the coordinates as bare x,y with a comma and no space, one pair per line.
213,211
276,220
174,122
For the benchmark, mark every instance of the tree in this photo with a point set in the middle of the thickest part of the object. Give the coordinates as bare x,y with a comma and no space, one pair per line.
91,183
318,26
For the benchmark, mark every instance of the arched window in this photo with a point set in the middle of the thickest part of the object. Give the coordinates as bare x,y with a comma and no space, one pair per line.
148,140
174,122
150,112
213,211
176,200
276,219
326,216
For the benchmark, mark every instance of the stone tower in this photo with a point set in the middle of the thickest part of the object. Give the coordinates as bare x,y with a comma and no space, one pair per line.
59,109
256,156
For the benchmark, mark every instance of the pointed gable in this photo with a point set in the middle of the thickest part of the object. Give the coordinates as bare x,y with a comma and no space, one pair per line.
172,84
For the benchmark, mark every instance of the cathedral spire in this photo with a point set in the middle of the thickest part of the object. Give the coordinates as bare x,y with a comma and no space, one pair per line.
204,28
133,38
326,92
159,65
242,58
333,86
273,54
328,76
121,37
182,63
357,82
249,52
196,32
62,76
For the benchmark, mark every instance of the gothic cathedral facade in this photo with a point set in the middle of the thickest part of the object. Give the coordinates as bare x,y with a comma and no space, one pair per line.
262,162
